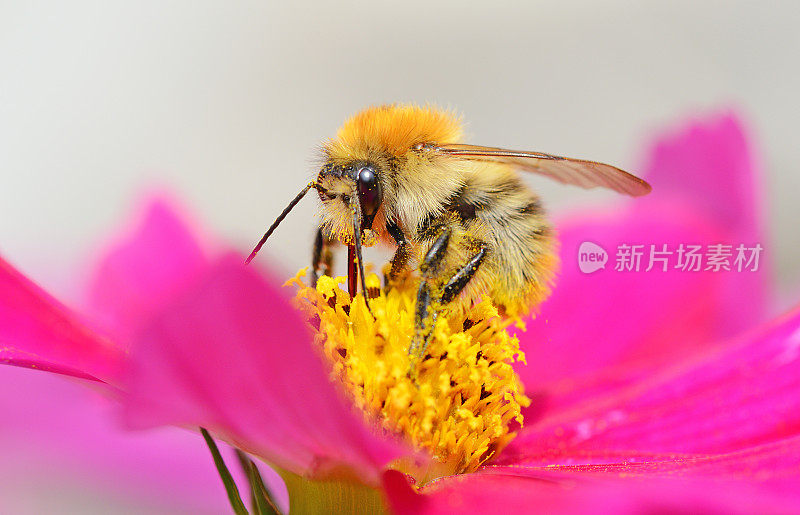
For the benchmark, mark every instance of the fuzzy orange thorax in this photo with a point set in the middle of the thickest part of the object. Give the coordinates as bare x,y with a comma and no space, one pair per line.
393,128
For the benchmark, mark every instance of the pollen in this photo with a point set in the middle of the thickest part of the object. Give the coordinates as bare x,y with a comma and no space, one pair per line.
461,403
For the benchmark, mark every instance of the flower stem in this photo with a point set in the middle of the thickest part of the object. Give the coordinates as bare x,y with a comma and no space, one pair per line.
261,501
230,486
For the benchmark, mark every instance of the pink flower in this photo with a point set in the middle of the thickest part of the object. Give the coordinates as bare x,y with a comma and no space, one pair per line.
651,390
57,436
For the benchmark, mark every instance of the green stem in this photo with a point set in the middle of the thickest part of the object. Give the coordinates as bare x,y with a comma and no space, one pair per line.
261,500
224,474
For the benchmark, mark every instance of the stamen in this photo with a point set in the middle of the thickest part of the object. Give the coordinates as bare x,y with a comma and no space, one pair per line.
461,403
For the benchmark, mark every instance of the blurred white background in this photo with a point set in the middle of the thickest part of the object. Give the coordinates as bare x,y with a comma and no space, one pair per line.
225,102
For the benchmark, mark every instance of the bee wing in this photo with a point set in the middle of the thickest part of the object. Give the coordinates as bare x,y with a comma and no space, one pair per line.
586,174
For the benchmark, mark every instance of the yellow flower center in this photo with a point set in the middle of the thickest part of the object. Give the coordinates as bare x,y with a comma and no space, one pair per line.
457,403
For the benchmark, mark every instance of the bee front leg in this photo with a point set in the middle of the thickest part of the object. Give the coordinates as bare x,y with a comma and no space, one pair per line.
321,257
399,262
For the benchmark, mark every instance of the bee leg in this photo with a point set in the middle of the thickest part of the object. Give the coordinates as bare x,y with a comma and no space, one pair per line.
321,258
399,262
451,289
400,259
421,314
435,255
462,277
425,315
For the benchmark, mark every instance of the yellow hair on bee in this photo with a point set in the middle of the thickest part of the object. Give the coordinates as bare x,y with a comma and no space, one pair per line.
394,128
483,204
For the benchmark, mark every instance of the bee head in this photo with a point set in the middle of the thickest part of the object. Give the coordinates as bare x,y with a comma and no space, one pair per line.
361,179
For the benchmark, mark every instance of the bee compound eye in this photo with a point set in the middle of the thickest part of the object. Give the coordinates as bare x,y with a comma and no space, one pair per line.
366,176
369,191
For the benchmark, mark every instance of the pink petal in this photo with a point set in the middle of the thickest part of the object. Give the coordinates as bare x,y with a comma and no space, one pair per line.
233,356
503,494
735,411
595,324
709,164
146,267
57,437
36,331
711,167
601,319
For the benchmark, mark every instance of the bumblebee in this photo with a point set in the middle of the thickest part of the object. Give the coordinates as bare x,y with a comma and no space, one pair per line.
459,213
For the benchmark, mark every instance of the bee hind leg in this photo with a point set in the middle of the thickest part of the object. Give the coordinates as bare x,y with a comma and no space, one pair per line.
462,276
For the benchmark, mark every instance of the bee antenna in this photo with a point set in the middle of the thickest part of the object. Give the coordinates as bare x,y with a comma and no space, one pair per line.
357,237
280,218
